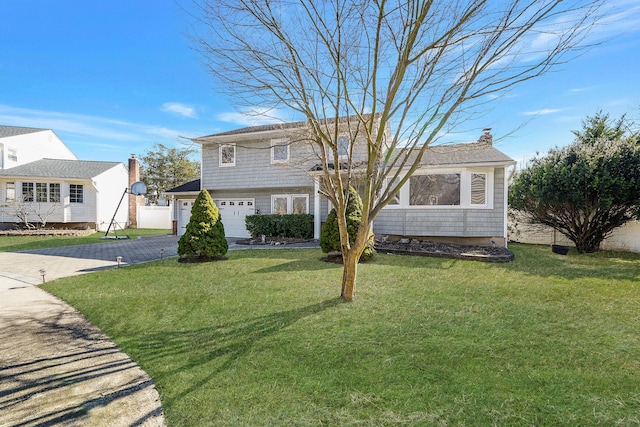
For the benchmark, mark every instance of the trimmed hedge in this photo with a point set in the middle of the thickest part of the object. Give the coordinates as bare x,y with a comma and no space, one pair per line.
298,226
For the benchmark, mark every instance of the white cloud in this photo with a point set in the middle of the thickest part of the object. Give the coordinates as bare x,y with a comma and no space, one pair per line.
542,112
92,137
181,109
252,117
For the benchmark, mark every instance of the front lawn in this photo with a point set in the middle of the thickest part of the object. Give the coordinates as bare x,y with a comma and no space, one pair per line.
262,339
27,243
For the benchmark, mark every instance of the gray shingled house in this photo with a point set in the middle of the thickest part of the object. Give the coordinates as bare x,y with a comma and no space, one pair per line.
72,193
458,194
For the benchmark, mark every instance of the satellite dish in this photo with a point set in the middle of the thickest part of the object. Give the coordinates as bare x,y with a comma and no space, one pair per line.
138,188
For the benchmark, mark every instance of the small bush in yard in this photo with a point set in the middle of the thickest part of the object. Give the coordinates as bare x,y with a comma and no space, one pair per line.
204,238
330,235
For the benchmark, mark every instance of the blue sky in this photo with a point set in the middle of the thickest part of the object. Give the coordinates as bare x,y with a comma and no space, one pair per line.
113,78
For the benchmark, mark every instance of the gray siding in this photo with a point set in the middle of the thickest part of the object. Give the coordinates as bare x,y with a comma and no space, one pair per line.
253,167
459,222
262,196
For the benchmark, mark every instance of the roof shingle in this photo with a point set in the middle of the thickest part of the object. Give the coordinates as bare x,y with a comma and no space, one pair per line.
8,131
55,168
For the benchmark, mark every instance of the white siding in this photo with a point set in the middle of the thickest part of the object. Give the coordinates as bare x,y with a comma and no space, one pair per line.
110,186
33,146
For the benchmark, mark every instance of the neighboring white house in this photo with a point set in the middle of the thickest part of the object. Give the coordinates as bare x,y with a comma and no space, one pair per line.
459,193
22,145
72,193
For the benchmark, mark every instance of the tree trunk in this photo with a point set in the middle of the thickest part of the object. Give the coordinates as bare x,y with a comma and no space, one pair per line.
349,271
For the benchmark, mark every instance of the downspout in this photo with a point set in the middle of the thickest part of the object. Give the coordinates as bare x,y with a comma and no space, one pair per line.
316,210
506,208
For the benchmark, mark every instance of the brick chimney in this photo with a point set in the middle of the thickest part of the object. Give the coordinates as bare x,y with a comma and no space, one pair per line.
486,137
134,201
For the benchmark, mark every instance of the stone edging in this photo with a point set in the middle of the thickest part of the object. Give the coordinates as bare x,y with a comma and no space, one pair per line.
507,257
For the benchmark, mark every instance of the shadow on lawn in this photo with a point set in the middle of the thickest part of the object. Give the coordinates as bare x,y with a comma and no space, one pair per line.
219,346
538,260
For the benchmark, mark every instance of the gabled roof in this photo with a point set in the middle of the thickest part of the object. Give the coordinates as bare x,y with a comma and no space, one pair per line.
63,169
464,154
475,153
8,131
274,127
187,187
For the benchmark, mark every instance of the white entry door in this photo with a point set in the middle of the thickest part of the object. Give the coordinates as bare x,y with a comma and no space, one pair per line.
184,214
233,213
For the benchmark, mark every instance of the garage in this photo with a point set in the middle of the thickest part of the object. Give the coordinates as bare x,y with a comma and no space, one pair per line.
233,213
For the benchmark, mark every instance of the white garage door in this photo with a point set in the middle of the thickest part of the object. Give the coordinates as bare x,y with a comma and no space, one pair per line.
184,213
233,213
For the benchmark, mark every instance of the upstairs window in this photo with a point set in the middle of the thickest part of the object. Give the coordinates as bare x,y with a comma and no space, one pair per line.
227,155
76,193
434,190
279,152
12,154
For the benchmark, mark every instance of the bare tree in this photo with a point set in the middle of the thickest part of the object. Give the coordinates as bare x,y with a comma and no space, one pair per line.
401,72
24,209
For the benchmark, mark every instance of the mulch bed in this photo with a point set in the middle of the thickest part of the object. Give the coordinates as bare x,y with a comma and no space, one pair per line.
445,250
272,241
46,232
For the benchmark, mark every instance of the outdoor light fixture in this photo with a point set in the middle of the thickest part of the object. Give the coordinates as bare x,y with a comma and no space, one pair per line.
42,273
119,260
161,253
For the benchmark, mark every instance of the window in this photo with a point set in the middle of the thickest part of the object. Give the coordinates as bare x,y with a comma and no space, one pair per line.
76,193
11,191
41,192
478,188
299,204
396,197
27,191
12,154
279,153
227,155
279,205
54,193
282,204
434,190
343,146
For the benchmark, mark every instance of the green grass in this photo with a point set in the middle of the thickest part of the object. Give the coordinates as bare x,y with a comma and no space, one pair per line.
27,243
262,339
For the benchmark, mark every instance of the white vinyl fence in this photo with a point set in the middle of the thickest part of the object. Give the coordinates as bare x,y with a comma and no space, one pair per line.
625,238
154,217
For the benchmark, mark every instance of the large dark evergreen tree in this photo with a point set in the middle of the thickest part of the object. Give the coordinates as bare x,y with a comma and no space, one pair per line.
587,189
